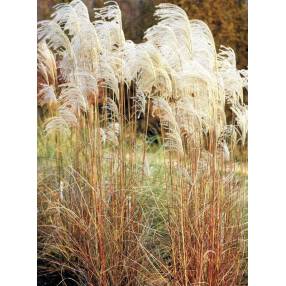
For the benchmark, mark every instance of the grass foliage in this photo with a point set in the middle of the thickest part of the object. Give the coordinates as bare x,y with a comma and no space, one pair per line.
114,208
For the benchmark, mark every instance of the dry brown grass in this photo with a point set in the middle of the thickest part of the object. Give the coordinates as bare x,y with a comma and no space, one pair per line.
113,210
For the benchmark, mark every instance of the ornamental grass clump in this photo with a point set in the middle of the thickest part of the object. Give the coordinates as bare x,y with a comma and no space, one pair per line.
114,208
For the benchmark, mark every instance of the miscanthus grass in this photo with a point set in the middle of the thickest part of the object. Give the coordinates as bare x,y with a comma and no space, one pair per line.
113,207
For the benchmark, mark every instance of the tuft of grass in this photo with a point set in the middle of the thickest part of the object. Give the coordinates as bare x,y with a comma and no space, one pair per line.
115,208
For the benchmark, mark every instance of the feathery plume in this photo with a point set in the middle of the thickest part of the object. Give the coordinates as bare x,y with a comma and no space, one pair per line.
241,112
171,131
